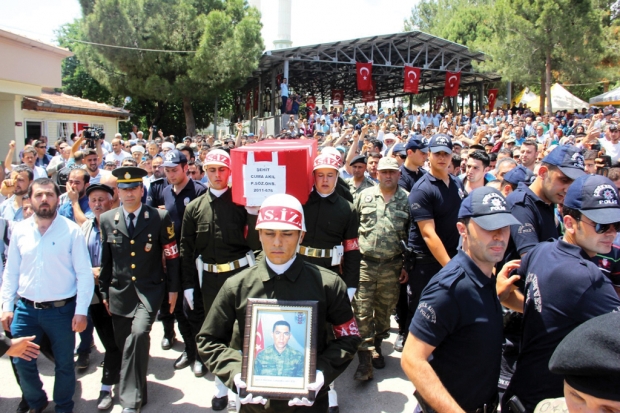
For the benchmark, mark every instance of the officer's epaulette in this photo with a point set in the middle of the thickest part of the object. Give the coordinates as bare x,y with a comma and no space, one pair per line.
450,276
516,197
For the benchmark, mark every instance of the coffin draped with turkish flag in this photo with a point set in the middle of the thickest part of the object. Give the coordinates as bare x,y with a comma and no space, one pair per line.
272,167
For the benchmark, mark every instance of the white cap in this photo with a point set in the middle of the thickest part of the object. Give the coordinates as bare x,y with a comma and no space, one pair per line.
138,148
217,157
325,160
167,145
281,211
330,150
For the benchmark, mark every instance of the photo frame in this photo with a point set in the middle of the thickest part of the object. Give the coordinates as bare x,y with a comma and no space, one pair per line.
279,348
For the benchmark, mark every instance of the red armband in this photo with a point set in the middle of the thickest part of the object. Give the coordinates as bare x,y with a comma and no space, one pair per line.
346,329
351,245
171,251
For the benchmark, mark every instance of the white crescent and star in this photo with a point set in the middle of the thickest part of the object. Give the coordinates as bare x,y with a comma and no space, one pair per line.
455,77
362,72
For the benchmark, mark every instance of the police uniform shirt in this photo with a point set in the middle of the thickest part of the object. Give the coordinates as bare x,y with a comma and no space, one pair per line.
459,314
408,178
302,281
154,197
537,218
563,288
430,198
176,203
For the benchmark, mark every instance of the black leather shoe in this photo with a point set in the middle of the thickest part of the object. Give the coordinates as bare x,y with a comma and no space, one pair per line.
334,409
40,409
199,369
219,403
83,361
167,342
182,362
399,344
23,406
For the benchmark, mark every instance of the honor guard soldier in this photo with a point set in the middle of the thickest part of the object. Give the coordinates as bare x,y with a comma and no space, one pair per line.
282,275
453,352
214,246
359,181
132,281
384,222
176,196
342,188
563,286
434,202
332,241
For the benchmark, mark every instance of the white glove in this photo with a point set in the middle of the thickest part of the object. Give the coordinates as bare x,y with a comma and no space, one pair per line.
189,296
252,210
249,399
351,293
316,386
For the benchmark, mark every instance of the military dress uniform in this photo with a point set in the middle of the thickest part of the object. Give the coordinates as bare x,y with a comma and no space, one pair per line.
382,226
302,281
133,282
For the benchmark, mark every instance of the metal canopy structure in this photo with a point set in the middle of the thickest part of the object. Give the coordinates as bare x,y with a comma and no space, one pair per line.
317,69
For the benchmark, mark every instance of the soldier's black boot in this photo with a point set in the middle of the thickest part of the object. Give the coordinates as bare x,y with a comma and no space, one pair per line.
378,361
364,370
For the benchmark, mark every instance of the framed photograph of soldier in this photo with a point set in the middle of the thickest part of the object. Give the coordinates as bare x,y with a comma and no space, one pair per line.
279,348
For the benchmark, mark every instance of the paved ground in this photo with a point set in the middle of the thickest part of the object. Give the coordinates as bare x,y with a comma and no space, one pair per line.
173,391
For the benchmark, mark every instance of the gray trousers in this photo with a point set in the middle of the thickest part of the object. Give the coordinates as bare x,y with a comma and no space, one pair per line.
133,337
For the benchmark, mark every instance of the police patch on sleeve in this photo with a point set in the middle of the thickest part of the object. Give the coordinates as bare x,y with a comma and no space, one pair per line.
427,312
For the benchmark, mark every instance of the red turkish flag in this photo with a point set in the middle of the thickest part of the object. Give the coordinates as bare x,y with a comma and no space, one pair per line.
452,84
311,102
369,95
438,103
259,344
364,76
256,99
412,79
337,97
492,98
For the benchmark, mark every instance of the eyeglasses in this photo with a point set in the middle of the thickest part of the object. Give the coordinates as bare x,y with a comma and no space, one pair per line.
41,147
402,157
602,228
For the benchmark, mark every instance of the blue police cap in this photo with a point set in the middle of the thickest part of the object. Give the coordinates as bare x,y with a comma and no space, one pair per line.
440,142
596,197
174,158
518,175
568,159
487,207
417,142
399,149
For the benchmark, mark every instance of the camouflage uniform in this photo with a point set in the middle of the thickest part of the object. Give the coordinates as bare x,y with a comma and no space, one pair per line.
366,183
382,226
289,363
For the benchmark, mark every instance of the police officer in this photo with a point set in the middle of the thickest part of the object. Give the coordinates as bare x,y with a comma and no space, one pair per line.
434,202
282,275
533,206
359,181
176,196
563,287
213,244
411,170
453,351
332,239
384,221
132,280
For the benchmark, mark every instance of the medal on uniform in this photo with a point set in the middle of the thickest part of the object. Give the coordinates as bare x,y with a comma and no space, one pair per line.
115,232
148,247
116,217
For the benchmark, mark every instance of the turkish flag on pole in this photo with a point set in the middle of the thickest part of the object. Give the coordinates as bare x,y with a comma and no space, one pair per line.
369,95
311,102
337,97
492,98
412,79
260,340
452,84
364,76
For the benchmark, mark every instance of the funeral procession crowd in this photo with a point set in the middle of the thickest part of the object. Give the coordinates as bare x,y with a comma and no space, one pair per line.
491,237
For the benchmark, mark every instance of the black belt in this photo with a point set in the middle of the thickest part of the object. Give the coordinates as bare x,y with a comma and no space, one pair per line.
381,260
46,305
486,408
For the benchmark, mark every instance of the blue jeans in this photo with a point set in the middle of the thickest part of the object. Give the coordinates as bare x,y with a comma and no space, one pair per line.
56,323
86,337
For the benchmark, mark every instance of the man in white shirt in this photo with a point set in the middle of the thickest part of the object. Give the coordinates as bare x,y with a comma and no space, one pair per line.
611,143
117,155
48,267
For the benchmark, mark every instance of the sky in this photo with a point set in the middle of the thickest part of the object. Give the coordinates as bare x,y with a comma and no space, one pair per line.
313,22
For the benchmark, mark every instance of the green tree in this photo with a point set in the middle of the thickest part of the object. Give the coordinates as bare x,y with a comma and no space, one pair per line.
221,40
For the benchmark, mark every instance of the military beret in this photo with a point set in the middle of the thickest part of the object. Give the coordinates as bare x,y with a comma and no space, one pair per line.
358,159
588,357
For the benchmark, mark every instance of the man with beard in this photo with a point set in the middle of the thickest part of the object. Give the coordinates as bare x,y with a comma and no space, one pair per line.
48,267
453,351
15,187
91,162
77,208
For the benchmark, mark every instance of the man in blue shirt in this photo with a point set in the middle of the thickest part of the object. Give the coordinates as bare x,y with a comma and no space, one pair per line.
563,286
453,351
77,210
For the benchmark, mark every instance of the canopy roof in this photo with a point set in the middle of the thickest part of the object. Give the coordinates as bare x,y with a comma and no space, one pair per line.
561,99
608,98
317,69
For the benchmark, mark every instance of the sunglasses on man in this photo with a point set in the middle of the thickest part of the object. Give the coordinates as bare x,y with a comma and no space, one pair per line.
602,228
